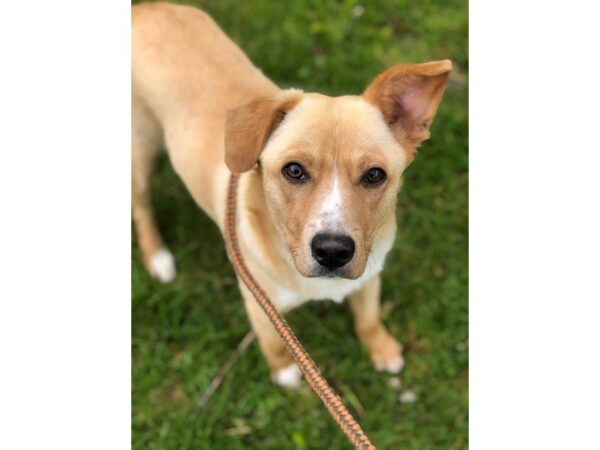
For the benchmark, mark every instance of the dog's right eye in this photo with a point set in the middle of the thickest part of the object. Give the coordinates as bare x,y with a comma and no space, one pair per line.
294,173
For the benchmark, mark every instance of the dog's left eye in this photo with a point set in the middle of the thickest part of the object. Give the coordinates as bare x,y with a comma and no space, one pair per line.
373,177
294,173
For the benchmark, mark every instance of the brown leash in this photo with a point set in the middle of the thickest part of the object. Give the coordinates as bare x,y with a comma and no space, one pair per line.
317,382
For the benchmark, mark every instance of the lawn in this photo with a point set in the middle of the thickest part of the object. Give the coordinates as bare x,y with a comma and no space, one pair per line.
183,332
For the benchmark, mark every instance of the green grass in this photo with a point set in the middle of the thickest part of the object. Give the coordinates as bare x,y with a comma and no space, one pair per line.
183,332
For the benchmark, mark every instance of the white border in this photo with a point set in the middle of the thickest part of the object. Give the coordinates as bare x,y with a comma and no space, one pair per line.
534,225
64,225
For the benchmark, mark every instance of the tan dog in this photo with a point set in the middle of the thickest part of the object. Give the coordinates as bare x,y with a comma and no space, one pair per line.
317,196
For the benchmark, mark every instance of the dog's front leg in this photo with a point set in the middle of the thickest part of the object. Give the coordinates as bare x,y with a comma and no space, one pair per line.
384,349
284,370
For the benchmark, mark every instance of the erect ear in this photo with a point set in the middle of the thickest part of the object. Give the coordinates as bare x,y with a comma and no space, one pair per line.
248,127
408,96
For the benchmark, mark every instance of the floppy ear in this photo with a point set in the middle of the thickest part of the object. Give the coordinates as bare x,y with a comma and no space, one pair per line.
248,128
408,96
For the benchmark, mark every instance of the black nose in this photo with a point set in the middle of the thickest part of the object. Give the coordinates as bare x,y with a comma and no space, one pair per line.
332,250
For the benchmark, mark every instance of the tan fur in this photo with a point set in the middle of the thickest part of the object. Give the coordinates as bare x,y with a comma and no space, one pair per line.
382,346
195,92
248,127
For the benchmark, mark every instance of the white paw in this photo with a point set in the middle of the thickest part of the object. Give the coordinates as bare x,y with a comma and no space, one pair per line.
394,365
163,265
289,376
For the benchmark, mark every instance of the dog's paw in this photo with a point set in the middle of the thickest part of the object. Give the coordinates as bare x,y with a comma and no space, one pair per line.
162,266
289,377
387,357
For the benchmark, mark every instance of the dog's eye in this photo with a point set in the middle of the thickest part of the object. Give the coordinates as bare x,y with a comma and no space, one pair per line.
373,176
294,172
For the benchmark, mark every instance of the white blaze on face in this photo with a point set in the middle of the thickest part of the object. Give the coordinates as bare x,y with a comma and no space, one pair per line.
330,215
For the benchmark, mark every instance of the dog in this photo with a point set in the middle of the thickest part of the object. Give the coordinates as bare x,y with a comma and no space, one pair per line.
319,174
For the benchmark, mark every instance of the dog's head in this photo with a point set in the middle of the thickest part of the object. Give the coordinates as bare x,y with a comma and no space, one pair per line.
331,167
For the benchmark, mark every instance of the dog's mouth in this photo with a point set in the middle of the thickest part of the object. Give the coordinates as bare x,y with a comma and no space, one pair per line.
339,273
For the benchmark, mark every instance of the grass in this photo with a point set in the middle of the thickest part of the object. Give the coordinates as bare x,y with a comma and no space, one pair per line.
183,332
